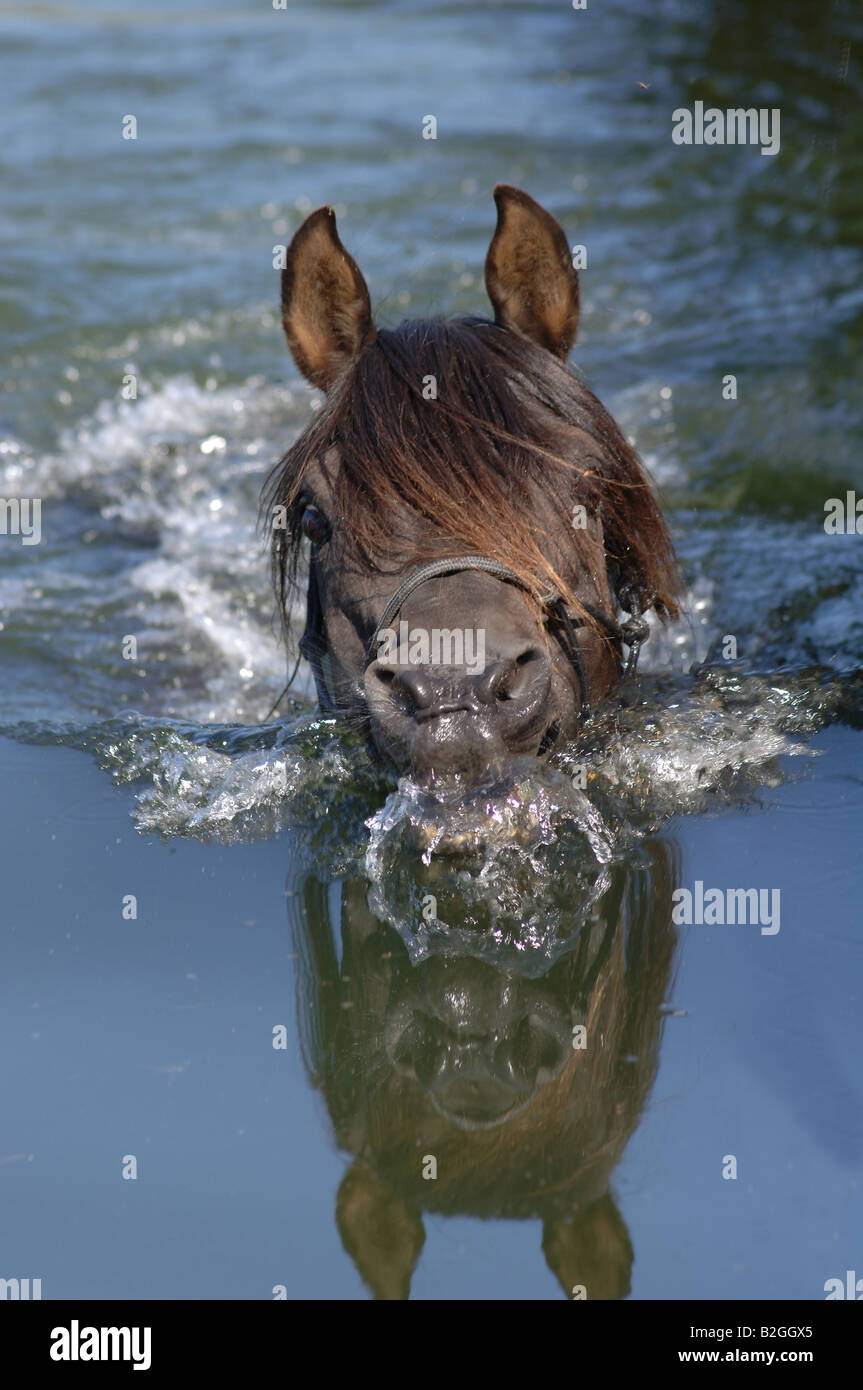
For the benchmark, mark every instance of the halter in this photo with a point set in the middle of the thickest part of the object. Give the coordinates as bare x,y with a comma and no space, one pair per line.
632,633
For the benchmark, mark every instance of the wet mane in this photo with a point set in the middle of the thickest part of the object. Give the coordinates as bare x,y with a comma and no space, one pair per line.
509,421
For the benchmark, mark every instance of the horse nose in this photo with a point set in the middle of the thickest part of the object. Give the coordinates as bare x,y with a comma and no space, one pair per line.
427,693
423,694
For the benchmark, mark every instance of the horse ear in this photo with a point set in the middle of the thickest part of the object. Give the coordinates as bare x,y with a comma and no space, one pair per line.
326,311
529,274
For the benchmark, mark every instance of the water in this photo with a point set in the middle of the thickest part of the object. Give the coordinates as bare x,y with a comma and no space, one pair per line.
280,880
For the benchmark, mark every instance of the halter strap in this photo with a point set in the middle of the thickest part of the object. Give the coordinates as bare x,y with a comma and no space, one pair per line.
631,633
453,564
313,642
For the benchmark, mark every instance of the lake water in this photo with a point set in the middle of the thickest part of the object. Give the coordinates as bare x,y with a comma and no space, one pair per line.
270,1033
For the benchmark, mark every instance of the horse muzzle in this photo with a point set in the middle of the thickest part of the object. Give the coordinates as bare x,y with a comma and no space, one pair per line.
448,721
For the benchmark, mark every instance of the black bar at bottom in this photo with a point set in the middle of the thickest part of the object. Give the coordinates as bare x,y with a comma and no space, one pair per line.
83,1338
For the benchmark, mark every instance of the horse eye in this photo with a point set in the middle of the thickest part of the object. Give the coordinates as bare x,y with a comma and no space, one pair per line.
315,525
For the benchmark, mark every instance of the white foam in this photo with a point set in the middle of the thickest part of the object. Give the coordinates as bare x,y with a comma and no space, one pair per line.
179,470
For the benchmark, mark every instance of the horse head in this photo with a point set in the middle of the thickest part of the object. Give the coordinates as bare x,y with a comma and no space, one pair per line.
476,519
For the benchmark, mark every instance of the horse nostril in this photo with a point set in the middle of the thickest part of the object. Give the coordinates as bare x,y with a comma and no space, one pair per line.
409,690
416,689
414,692
511,680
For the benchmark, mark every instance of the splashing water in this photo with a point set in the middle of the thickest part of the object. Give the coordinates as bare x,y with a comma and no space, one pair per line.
515,873
478,875
658,748
509,872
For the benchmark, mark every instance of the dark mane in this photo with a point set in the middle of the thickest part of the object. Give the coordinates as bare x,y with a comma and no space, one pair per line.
508,420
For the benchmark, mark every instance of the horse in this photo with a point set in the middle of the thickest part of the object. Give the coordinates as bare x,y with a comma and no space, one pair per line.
483,539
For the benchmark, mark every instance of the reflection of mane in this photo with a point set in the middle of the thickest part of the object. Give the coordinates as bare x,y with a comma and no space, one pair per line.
509,420
551,1160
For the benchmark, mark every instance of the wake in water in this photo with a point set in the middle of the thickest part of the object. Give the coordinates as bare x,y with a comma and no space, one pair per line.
510,872
148,528
661,747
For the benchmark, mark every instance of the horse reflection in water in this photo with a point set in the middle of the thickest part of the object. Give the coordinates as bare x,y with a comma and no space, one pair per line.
478,1066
